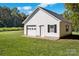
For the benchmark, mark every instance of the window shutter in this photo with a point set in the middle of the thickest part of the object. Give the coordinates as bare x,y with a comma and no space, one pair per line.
48,28
55,28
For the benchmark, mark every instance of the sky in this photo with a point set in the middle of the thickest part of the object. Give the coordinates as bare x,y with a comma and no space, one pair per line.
27,8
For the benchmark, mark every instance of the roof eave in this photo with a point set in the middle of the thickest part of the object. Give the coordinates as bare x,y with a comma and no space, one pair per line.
31,14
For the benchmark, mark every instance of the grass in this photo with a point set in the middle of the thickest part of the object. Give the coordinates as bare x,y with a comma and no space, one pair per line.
10,29
13,43
75,33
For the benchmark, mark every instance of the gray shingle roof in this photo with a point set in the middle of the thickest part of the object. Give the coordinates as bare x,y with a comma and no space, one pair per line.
60,17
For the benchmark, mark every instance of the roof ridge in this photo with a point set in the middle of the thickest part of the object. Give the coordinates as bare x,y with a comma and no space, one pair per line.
49,10
59,17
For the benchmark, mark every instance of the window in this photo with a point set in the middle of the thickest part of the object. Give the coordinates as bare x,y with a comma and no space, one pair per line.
52,28
31,27
34,28
67,28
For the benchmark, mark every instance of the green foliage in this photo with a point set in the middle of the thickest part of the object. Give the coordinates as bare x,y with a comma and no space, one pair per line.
11,17
10,29
72,13
13,43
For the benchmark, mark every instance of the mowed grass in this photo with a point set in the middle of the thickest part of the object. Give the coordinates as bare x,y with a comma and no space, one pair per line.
13,43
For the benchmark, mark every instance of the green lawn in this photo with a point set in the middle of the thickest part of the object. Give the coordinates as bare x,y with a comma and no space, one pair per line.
13,43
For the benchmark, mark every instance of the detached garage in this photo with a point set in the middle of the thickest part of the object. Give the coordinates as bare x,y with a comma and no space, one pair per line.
45,23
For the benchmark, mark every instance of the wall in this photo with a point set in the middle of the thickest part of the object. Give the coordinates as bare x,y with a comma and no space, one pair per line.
63,29
42,18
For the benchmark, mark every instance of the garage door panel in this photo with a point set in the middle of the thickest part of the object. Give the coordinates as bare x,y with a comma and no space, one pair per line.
31,30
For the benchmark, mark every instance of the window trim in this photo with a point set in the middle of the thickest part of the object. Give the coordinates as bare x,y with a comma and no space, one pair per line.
31,27
67,28
54,27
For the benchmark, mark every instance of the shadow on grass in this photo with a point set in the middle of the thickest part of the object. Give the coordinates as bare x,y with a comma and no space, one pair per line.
72,36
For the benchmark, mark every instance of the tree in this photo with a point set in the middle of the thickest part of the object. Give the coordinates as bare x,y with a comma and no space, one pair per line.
11,17
5,15
72,13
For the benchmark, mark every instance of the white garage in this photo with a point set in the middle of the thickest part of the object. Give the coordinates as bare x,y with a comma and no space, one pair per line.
46,23
31,30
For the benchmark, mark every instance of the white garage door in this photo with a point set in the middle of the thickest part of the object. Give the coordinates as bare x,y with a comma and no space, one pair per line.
31,30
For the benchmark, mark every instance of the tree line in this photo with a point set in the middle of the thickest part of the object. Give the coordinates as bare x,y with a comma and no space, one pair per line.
11,17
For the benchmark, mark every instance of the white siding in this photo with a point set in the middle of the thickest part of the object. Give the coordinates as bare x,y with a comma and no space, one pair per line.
42,18
25,30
